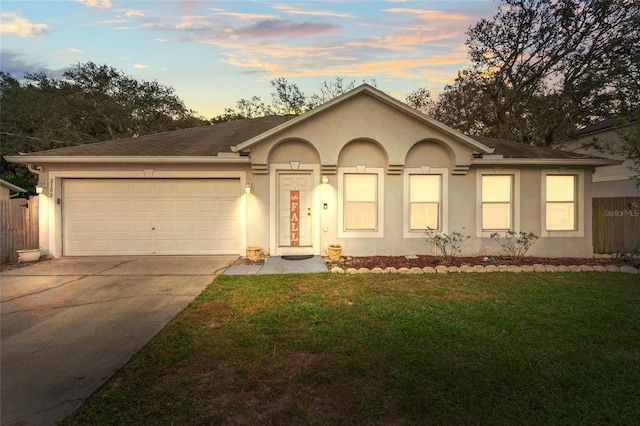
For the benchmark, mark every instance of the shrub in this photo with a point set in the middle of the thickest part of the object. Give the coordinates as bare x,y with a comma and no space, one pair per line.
447,244
515,244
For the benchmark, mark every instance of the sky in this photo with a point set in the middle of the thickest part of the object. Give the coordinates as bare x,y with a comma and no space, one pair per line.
214,53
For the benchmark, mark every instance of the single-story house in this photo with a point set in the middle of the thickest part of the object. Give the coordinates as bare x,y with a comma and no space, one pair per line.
6,188
363,170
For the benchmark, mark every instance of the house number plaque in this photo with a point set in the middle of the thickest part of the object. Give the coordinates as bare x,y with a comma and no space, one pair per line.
294,230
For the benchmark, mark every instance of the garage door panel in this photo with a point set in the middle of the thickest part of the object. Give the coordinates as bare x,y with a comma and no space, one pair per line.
165,207
187,207
141,206
218,207
147,216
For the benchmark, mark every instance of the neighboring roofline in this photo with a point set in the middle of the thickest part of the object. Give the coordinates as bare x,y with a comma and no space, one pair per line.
12,187
42,159
369,90
606,127
547,161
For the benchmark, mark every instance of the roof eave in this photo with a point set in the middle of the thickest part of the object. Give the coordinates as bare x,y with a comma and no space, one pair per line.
547,161
136,159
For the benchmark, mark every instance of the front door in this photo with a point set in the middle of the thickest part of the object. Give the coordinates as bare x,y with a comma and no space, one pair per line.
294,209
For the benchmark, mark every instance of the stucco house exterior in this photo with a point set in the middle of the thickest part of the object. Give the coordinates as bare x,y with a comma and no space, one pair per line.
363,170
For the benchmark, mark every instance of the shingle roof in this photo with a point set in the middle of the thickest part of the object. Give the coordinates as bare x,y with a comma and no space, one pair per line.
609,123
518,150
219,138
195,141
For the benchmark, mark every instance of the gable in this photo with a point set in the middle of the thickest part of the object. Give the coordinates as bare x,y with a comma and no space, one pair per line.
364,115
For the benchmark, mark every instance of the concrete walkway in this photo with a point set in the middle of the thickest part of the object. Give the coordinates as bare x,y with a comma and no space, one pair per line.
69,324
279,265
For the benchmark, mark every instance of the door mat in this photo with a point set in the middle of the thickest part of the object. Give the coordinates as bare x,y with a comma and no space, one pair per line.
298,257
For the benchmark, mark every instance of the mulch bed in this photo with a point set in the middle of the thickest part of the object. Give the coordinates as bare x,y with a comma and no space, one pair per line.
370,262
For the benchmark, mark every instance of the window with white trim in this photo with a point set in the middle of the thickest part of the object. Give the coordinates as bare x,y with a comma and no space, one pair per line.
360,206
560,202
360,202
497,202
424,200
425,195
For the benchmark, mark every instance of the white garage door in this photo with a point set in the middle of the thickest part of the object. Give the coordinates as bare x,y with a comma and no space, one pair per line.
150,216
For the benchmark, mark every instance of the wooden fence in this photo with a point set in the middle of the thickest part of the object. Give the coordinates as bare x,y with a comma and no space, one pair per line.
18,227
616,224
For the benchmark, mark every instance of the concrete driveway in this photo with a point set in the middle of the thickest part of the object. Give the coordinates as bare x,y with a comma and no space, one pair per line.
68,324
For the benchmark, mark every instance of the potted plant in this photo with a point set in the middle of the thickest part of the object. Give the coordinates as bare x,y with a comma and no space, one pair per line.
334,250
253,253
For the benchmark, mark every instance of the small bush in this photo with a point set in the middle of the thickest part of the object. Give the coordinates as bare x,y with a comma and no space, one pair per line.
515,244
447,244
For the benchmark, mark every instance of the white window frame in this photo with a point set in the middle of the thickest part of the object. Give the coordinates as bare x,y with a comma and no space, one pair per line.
443,210
379,232
515,199
579,203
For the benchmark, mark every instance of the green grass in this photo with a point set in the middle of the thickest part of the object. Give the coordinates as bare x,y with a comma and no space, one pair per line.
524,349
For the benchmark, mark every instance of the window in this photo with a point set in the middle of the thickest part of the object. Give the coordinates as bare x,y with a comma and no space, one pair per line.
560,200
424,202
562,204
360,201
497,201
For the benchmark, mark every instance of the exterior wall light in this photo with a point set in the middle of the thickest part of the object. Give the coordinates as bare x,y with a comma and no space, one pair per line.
325,179
40,186
247,187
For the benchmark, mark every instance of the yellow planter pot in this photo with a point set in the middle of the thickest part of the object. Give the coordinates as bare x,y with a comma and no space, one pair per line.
253,252
334,253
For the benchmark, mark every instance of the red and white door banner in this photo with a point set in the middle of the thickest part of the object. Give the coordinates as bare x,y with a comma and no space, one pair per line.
294,230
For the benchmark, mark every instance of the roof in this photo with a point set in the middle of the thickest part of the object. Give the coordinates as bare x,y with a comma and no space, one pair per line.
12,187
606,124
518,150
226,142
193,142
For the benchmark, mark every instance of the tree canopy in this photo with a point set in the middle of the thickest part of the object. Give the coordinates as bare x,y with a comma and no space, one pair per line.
543,68
287,98
90,103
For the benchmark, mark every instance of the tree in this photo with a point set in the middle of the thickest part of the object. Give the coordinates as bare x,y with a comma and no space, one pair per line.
288,98
329,90
245,108
544,67
420,99
90,103
461,105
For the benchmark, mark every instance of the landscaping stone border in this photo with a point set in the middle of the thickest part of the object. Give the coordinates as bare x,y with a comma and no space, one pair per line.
442,269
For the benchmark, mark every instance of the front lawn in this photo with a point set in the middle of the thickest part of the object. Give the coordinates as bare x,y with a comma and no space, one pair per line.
502,348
